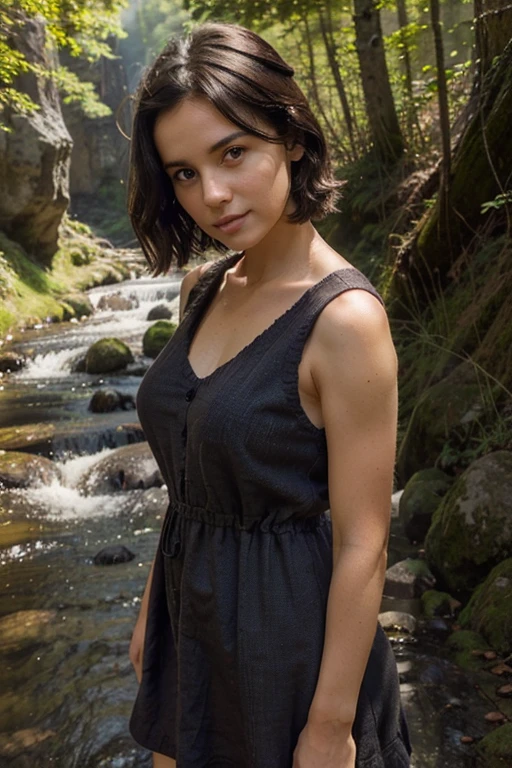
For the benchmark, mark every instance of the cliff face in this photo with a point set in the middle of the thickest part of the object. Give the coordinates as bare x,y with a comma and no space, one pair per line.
100,151
35,156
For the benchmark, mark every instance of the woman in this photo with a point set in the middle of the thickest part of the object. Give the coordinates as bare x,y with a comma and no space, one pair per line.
257,643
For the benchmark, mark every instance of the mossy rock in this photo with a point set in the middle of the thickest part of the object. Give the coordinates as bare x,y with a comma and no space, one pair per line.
436,604
442,412
471,530
77,305
420,499
107,355
157,336
22,470
496,746
462,643
489,610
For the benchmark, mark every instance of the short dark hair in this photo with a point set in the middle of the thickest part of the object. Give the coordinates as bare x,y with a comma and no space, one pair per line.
248,82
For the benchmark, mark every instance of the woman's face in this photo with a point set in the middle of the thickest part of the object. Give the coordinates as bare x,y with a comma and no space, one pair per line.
234,185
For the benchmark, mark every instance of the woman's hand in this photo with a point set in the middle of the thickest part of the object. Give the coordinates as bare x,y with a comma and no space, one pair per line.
137,644
325,747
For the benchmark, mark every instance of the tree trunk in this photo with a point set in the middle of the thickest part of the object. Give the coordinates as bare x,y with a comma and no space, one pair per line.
493,30
412,116
444,119
330,47
480,170
380,107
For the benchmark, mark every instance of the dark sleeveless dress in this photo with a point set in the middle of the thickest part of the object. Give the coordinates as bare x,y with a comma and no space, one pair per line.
237,607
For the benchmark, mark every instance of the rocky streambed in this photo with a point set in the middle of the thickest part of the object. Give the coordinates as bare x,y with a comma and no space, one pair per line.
81,506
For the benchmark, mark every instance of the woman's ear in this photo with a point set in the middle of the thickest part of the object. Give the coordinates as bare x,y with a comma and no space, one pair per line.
296,152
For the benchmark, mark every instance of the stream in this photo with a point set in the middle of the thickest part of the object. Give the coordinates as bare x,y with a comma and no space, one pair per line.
66,623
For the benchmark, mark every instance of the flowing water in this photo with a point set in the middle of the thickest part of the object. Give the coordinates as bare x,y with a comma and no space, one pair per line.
66,623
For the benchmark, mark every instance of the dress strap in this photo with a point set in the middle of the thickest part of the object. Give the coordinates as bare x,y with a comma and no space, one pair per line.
208,283
318,296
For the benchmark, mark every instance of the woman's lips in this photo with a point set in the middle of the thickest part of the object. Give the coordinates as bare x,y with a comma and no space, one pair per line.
233,225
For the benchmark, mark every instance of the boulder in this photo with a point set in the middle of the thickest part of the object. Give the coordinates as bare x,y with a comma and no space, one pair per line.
408,579
117,302
444,411
420,499
397,620
471,530
160,312
466,645
113,555
489,612
436,604
126,468
77,305
108,400
11,361
22,470
35,154
107,355
157,336
496,746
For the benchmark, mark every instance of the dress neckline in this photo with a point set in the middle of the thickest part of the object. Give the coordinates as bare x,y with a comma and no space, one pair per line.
203,306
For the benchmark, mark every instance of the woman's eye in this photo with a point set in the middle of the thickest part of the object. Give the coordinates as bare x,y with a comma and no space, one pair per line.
186,174
235,153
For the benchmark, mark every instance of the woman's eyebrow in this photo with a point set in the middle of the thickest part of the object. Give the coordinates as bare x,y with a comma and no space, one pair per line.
214,148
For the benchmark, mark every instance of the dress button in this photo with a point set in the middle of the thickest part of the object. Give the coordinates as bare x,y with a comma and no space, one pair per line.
190,395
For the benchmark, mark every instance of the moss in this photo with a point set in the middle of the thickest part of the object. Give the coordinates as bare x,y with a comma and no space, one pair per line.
469,531
105,355
498,745
488,611
31,292
436,603
157,336
462,643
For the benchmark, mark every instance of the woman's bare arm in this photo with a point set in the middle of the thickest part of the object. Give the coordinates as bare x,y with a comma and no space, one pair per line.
355,372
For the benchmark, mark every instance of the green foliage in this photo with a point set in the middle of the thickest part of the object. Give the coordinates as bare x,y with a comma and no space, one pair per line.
499,201
80,26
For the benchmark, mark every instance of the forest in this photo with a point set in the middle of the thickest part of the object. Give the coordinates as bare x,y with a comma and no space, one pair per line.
415,100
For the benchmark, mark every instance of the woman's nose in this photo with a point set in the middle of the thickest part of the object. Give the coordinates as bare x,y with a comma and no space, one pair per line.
215,191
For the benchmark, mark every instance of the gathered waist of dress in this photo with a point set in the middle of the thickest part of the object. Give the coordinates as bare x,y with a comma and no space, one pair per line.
270,520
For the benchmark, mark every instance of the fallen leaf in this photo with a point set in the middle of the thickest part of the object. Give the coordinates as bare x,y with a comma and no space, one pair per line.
466,739
490,655
495,717
501,669
505,690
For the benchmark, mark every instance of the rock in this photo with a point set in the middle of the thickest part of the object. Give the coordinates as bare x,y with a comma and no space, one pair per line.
117,301
157,336
113,555
160,312
471,530
395,503
137,368
108,400
408,579
466,739
19,743
495,717
420,499
441,412
11,361
463,643
23,628
438,627
22,470
77,305
397,620
107,355
436,603
489,610
497,745
35,154
77,365
126,468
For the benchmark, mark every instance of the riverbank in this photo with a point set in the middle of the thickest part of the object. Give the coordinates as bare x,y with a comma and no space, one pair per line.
31,295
